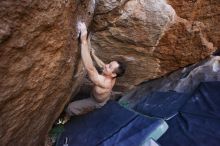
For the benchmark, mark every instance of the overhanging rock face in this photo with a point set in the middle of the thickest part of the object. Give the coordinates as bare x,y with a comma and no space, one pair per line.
155,37
40,65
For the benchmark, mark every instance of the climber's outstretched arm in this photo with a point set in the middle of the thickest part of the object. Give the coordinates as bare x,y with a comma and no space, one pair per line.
86,58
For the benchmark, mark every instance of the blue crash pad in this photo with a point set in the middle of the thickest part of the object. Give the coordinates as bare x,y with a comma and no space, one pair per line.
198,121
191,130
111,125
162,104
205,100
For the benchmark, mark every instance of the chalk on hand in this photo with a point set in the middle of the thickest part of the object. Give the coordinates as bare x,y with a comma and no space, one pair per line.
81,28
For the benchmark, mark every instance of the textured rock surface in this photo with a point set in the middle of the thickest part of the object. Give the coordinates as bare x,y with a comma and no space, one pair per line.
184,80
154,37
39,65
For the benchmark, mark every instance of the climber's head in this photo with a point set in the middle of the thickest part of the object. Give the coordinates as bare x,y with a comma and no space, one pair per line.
114,69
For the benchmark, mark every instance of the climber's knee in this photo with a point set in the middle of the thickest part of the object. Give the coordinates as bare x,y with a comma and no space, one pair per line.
81,107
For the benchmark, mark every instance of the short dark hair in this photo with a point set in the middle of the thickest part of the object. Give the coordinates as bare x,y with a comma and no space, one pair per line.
120,70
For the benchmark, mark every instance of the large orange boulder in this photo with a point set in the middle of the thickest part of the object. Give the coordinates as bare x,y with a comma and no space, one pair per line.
155,37
40,65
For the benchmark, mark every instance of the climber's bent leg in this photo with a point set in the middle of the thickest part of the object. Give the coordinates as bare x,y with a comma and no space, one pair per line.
83,106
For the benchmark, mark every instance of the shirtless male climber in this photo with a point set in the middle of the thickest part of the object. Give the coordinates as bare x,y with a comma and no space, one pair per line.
103,83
